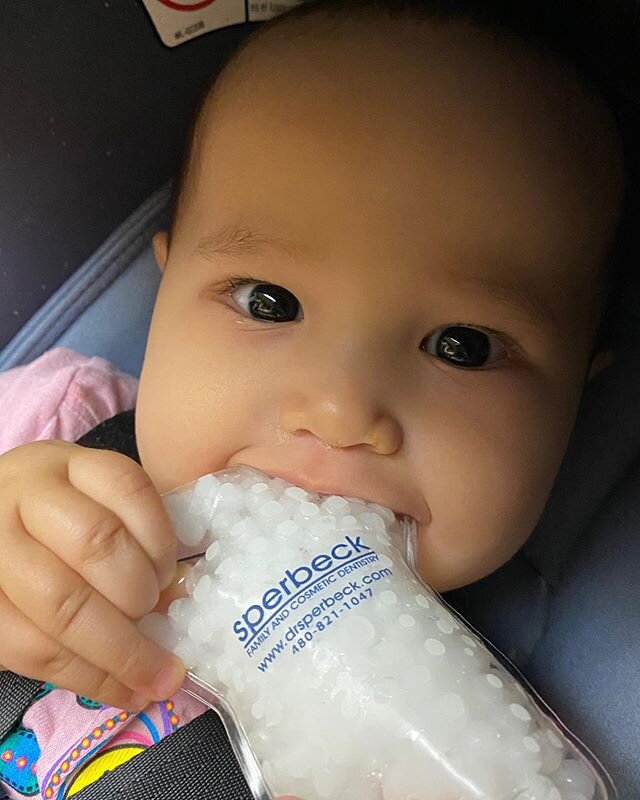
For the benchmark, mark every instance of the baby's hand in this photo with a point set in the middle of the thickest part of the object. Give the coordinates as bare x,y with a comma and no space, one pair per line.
86,546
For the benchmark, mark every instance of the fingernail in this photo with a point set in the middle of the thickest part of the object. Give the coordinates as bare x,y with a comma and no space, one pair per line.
182,573
167,576
168,680
176,589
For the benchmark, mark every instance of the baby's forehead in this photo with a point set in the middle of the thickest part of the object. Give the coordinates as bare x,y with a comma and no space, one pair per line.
361,77
469,120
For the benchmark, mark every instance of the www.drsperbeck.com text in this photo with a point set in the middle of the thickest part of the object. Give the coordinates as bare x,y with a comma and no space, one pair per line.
318,619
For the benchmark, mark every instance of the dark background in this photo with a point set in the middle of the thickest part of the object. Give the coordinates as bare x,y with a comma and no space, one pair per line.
94,111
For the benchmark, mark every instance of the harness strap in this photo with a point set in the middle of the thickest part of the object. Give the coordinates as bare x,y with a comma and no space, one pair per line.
17,693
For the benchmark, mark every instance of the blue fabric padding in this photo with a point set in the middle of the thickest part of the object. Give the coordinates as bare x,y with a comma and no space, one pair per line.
88,285
587,664
508,607
116,324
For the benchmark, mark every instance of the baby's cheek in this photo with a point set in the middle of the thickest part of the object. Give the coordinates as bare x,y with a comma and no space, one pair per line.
486,487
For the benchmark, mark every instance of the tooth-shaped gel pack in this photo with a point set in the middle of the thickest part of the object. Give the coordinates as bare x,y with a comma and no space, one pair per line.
338,673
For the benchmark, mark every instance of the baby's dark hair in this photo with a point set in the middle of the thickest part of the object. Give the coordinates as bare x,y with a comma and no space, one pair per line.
598,41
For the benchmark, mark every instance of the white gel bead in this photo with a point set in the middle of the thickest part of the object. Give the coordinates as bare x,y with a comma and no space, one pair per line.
360,631
445,626
212,551
435,647
224,521
321,528
388,597
272,508
539,788
203,589
307,509
228,490
296,493
452,705
520,712
176,609
157,627
287,527
258,545
239,528
555,740
192,531
531,744
386,513
207,487
187,651
176,507
574,776
199,630
335,504
551,756
373,522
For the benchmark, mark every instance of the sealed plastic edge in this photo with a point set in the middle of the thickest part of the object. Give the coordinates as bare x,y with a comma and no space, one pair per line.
201,690
607,786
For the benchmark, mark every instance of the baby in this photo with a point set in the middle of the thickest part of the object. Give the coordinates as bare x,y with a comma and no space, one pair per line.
385,275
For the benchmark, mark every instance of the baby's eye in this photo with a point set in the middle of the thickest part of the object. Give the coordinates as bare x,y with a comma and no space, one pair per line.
266,302
462,346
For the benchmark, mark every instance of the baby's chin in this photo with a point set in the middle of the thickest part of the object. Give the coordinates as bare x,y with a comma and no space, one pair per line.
446,579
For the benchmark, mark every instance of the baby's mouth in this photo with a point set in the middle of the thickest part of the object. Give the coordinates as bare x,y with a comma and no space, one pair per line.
381,496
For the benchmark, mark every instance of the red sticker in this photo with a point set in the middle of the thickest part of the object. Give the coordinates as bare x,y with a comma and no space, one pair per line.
186,6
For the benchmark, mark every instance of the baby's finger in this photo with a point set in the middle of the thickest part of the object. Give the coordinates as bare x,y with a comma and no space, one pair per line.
93,541
59,602
118,483
29,652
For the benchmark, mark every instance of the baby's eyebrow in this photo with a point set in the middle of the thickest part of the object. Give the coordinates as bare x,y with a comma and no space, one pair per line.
516,295
241,242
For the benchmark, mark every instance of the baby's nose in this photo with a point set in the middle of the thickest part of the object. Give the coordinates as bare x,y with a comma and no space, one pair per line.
342,418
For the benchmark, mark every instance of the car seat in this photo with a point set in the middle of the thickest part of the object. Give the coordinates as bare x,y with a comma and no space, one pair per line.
565,609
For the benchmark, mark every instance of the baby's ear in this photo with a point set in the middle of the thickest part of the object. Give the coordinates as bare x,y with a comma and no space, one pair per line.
160,243
601,360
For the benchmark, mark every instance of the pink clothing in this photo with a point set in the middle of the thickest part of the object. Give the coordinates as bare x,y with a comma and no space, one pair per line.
66,742
60,395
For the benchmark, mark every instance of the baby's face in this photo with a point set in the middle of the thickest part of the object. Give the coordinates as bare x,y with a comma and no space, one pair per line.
418,248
